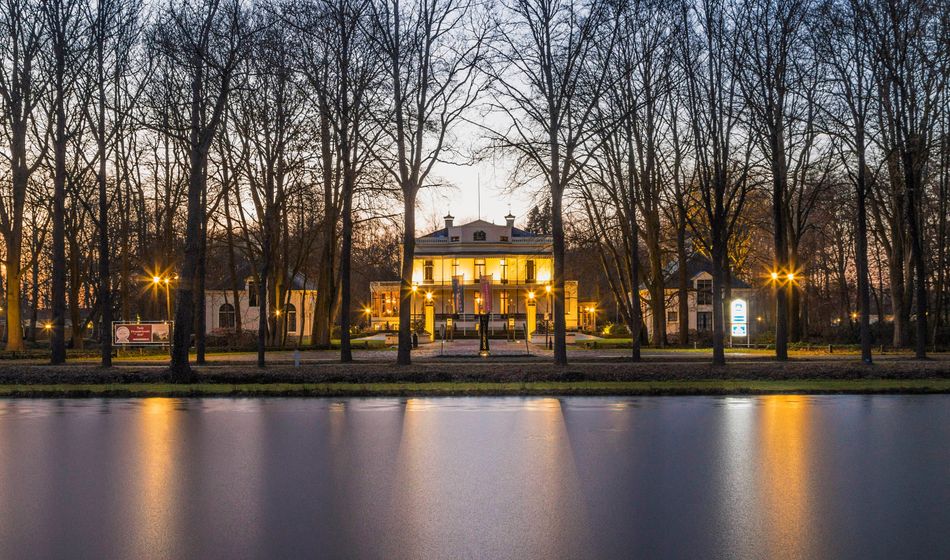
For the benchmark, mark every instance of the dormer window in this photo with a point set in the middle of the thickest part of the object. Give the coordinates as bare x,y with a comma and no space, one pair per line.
479,236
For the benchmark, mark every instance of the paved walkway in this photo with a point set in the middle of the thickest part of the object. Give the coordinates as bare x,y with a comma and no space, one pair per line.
503,351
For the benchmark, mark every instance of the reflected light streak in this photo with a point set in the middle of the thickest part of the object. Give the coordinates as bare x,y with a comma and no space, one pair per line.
157,425
784,477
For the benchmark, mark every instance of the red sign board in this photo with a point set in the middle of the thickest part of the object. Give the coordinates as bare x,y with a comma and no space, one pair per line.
140,333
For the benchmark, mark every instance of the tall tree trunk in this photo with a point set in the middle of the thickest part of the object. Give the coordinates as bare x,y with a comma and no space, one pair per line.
914,196
185,299
346,353
636,309
719,264
75,282
57,339
861,252
403,356
780,240
682,281
200,274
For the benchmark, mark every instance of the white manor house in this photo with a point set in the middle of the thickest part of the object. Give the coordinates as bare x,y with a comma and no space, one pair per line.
451,266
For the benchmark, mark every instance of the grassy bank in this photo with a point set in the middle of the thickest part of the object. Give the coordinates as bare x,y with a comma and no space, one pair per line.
704,387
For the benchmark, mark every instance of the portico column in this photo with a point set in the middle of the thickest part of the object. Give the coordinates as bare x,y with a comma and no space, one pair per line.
532,314
430,318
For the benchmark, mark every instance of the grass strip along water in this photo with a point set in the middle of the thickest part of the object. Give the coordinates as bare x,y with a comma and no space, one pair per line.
671,387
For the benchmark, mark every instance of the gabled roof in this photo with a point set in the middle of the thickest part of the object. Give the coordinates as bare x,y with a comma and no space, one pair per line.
219,275
697,264
444,232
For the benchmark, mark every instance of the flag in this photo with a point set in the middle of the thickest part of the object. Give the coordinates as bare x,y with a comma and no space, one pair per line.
486,294
458,299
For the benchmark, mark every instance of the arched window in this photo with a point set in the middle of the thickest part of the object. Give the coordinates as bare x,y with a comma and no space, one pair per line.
226,316
479,236
291,318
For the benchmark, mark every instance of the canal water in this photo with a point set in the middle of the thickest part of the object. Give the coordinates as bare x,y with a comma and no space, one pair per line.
665,477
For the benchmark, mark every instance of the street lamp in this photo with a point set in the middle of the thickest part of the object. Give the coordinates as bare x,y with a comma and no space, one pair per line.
158,281
549,340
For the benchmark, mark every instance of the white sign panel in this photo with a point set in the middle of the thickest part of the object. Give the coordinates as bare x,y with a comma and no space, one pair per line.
740,317
739,311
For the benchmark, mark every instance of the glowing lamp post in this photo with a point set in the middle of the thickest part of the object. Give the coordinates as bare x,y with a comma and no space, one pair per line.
548,339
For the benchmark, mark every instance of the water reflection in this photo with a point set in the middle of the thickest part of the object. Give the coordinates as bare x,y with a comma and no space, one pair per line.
769,477
508,473
157,472
784,437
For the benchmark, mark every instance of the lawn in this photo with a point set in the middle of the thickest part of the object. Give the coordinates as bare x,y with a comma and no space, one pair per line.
703,387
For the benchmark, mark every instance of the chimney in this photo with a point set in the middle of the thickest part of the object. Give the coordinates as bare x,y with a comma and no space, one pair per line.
449,219
510,220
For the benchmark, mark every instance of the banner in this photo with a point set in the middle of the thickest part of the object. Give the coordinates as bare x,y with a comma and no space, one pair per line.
458,297
141,333
485,285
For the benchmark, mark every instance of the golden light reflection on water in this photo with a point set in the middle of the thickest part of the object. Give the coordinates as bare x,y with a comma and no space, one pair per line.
784,481
157,476
515,465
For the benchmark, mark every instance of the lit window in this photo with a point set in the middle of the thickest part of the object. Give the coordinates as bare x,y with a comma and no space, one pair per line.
529,273
672,317
427,271
704,292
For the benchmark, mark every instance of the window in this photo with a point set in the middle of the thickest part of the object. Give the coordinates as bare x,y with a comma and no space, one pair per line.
479,236
503,302
252,294
529,272
504,238
454,238
479,269
704,292
672,317
291,318
704,321
455,268
504,271
427,270
226,316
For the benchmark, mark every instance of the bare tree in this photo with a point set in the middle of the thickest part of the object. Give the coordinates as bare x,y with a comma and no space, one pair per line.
841,45
721,173
22,89
912,73
771,36
551,71
207,41
63,24
430,52
115,29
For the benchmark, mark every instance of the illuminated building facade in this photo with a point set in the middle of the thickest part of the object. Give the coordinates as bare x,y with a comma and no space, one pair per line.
450,269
